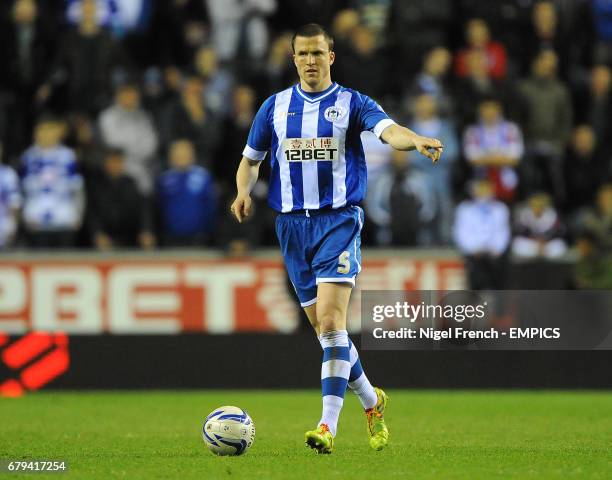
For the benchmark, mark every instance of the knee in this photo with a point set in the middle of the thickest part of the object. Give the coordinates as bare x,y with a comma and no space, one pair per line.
330,319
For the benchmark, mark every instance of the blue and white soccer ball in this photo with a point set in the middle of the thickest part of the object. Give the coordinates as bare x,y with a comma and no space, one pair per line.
228,431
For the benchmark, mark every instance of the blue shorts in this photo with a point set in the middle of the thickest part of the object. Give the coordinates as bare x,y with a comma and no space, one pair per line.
320,246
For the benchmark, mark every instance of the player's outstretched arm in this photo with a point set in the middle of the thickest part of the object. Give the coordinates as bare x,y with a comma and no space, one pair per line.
402,138
246,176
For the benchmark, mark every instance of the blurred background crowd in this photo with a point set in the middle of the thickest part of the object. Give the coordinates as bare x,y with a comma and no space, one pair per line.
122,122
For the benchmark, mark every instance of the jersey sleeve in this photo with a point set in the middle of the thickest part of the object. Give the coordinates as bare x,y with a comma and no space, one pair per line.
372,117
260,136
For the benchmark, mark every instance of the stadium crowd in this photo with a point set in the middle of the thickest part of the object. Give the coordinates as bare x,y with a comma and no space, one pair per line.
122,121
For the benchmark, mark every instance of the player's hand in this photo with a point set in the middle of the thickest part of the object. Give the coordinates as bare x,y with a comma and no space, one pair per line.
241,208
430,147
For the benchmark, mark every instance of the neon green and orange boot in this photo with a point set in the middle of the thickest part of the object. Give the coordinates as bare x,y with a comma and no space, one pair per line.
379,433
320,439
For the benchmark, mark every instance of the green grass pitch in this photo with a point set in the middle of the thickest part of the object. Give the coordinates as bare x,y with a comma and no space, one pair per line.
434,434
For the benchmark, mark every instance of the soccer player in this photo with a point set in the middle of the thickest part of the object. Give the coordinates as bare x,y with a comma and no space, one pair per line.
318,179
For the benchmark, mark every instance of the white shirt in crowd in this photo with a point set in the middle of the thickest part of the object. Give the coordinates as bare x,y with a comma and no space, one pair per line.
482,226
134,133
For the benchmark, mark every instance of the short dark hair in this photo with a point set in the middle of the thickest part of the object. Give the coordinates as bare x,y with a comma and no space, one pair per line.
108,152
48,117
490,98
312,30
129,85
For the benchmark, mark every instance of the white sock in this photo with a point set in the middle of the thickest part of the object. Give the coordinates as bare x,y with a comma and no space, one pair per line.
331,412
361,386
335,371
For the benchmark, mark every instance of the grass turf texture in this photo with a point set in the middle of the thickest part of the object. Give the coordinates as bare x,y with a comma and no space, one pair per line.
434,434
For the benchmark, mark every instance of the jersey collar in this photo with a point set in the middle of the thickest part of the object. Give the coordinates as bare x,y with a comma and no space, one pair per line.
310,99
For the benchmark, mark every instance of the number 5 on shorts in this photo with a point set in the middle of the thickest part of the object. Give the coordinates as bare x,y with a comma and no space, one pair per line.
344,262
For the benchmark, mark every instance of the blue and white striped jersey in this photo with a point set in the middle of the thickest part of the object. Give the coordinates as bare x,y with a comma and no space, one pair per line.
52,187
316,154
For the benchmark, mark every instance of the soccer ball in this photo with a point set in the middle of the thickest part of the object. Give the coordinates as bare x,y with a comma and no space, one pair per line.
228,431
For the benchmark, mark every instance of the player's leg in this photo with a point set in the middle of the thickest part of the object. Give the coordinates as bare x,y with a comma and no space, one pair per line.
331,307
336,264
311,313
295,240
332,304
358,381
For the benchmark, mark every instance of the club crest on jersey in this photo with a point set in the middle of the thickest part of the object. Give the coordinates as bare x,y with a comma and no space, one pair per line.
333,113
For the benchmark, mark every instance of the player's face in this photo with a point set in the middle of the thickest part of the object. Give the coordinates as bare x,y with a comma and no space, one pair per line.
313,60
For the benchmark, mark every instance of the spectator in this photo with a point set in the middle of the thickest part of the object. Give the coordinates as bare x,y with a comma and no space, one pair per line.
86,60
494,148
10,203
418,26
400,202
593,103
546,34
476,86
85,141
583,166
239,27
602,14
218,81
187,199
238,239
120,16
52,187
126,126
478,38
508,19
427,122
189,118
280,70
377,153
411,204
118,214
593,271
547,112
26,42
374,16
177,29
366,66
345,21
235,132
431,80
378,161
598,220
154,94
538,230
482,234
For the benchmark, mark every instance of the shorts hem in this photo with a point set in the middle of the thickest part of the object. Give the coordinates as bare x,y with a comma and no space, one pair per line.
309,302
350,280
